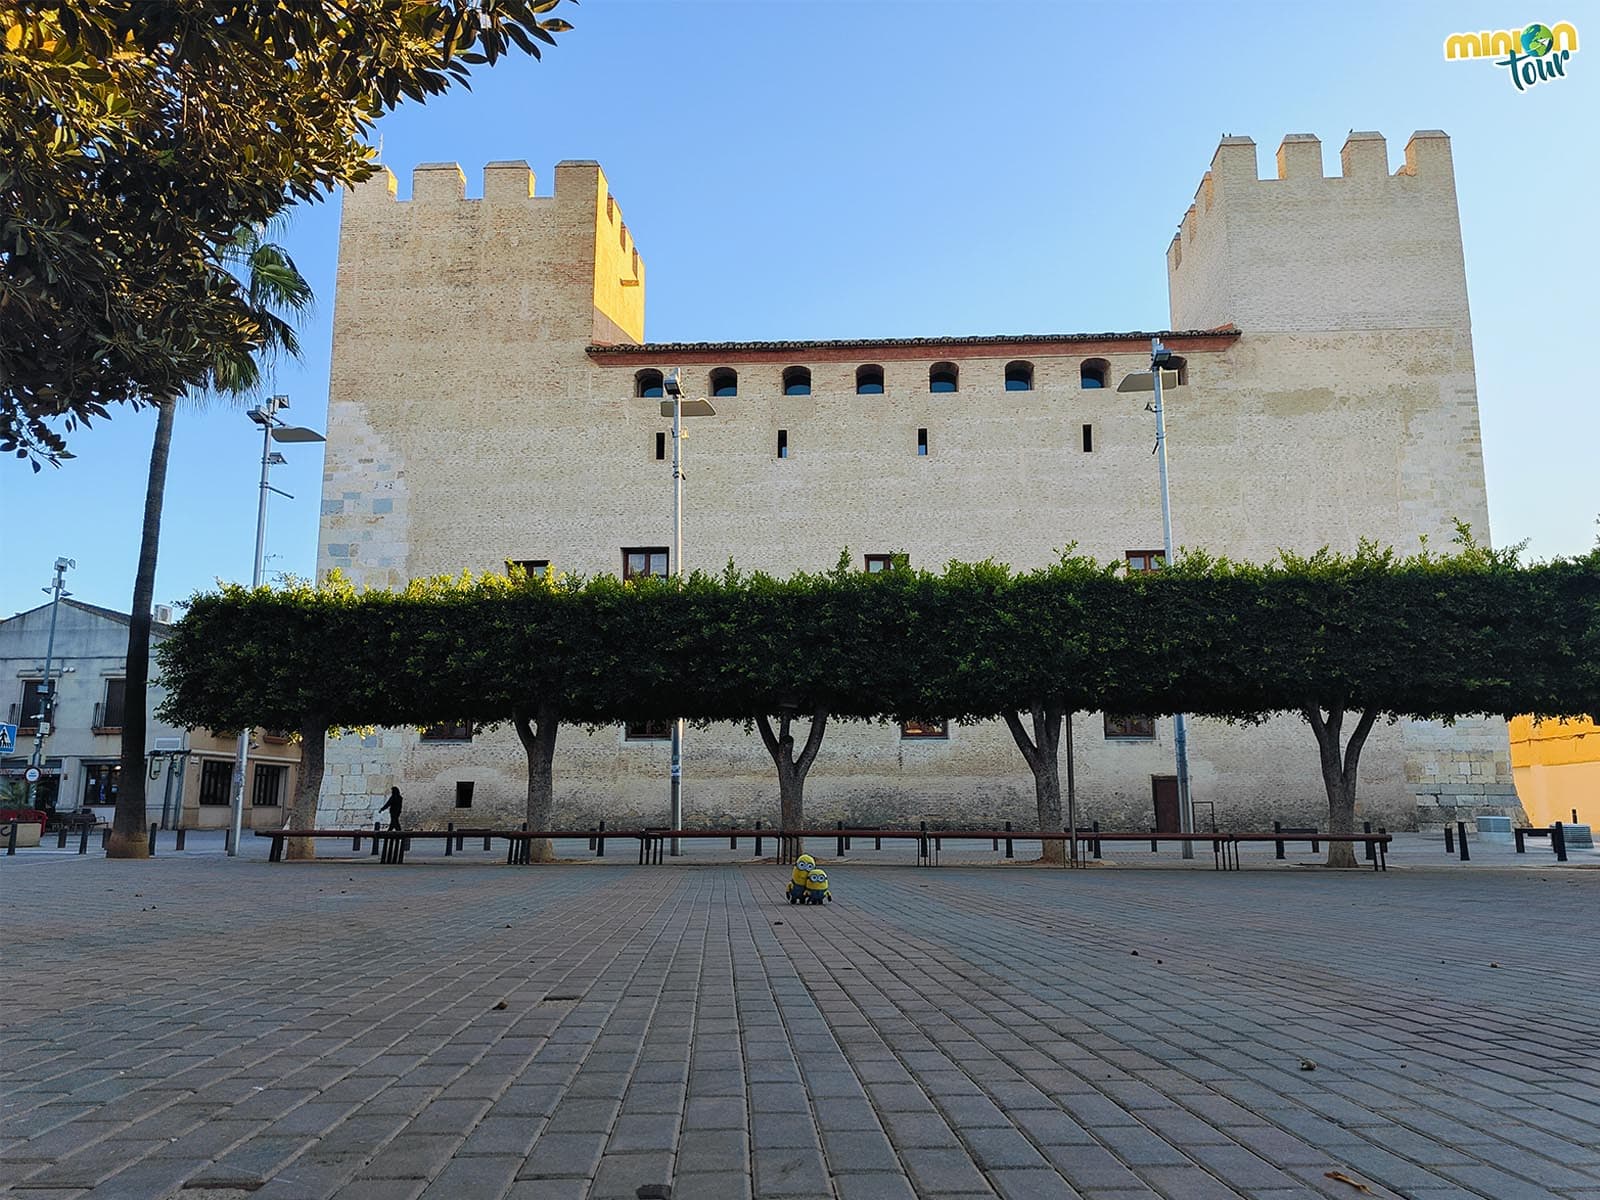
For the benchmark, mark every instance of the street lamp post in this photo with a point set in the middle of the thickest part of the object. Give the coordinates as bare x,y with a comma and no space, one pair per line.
677,408
272,430
1160,357
47,690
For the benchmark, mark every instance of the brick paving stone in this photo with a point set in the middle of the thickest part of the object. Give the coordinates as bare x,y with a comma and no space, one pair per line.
975,1028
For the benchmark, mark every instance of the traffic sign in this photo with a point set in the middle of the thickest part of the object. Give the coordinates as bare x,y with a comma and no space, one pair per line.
31,774
8,738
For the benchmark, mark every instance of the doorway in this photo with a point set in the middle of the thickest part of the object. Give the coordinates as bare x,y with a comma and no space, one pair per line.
1164,795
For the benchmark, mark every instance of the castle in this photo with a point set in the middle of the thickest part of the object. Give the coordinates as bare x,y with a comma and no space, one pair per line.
493,400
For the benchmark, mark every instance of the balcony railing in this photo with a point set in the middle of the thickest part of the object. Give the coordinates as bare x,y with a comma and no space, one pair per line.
107,722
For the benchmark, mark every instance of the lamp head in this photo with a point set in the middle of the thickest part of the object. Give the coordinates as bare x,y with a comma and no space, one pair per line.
672,382
65,564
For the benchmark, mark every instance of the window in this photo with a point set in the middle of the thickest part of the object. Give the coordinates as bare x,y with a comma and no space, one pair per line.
109,713
648,384
533,566
448,731
647,731
922,443
943,377
797,381
35,699
1088,439
724,382
879,562
1179,367
1019,377
268,789
1093,373
216,782
1145,560
464,793
639,561
100,783
869,380
924,729
661,446
1130,729
783,443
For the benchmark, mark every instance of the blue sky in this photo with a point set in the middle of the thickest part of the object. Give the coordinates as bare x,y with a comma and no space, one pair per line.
876,169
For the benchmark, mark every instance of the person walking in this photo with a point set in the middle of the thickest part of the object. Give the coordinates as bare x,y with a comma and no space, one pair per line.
392,807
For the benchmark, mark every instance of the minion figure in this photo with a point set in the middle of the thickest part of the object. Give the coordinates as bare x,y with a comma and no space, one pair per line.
817,887
803,866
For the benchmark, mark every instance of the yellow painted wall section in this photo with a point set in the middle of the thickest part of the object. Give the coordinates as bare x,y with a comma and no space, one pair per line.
618,269
1556,765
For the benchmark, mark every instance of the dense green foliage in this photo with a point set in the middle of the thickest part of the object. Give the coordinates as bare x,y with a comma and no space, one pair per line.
1431,636
136,137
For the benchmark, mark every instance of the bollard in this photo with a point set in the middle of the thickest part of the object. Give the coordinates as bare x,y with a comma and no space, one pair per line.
355,841
153,829
1461,836
11,838
83,840
600,841
1366,828
61,838
449,837
994,844
1277,827
1152,841
1010,853
877,842
486,840
105,837
922,841
1095,826
838,846
181,832
758,837
461,839
1449,839
1522,846
733,841
1558,841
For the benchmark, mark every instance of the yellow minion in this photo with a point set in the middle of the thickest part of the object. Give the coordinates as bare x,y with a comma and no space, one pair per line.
817,887
803,866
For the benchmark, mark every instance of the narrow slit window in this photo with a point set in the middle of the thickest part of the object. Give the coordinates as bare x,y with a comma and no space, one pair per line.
661,446
922,443
1088,439
783,443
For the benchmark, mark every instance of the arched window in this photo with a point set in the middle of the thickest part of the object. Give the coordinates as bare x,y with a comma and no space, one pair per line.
1019,377
1181,366
943,377
797,381
724,382
647,383
1094,373
869,380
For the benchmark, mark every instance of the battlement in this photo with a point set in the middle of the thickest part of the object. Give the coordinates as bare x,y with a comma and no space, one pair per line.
1245,242
580,225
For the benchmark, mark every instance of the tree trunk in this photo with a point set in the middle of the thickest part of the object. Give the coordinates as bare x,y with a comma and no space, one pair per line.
540,745
1339,770
130,837
1041,753
307,788
791,770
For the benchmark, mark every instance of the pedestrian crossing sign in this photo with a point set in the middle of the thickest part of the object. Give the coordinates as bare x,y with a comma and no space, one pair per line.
8,738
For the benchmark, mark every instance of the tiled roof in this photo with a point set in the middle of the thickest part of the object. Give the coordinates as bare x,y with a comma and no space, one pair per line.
931,343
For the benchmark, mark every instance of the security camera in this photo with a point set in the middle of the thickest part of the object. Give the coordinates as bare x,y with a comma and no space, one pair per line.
672,382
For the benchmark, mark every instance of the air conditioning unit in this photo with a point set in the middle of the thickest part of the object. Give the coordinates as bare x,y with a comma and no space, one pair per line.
168,745
162,614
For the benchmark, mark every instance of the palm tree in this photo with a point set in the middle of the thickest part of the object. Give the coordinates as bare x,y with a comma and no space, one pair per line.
272,288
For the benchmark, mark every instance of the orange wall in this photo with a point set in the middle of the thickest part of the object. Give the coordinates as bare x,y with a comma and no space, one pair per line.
1556,765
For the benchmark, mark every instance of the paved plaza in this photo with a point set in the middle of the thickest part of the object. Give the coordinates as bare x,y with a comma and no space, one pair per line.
214,1030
